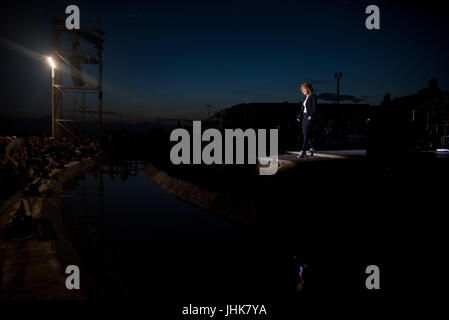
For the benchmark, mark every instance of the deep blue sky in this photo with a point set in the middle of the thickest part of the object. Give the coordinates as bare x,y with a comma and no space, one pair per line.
167,60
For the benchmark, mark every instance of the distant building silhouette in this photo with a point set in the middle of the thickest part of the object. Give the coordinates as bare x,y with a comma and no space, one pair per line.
336,126
428,116
396,126
411,123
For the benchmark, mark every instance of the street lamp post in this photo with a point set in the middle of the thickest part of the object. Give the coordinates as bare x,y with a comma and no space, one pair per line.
338,76
53,116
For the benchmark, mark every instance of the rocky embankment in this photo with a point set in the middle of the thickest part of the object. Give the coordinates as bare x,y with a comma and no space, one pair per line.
33,267
237,206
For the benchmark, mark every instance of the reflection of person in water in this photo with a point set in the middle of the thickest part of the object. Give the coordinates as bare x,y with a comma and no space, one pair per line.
307,117
298,273
301,270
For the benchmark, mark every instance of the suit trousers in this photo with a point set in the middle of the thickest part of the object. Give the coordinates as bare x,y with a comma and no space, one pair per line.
306,133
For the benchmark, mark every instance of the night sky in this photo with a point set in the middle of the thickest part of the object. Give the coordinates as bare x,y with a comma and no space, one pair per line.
166,60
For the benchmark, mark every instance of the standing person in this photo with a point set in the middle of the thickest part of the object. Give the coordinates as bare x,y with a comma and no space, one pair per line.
307,117
14,152
15,159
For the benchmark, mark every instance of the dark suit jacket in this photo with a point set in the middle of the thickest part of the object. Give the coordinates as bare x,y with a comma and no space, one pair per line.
311,107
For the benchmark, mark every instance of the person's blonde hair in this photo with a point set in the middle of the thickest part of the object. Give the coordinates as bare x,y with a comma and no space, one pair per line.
307,86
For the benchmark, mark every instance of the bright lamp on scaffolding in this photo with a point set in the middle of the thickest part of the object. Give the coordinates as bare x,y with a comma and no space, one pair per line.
51,62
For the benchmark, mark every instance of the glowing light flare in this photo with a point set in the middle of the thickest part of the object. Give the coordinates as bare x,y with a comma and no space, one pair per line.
51,62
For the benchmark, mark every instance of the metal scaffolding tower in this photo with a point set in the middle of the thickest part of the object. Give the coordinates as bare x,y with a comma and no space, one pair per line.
72,51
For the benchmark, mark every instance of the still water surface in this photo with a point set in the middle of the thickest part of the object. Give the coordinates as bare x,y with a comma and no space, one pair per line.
137,240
